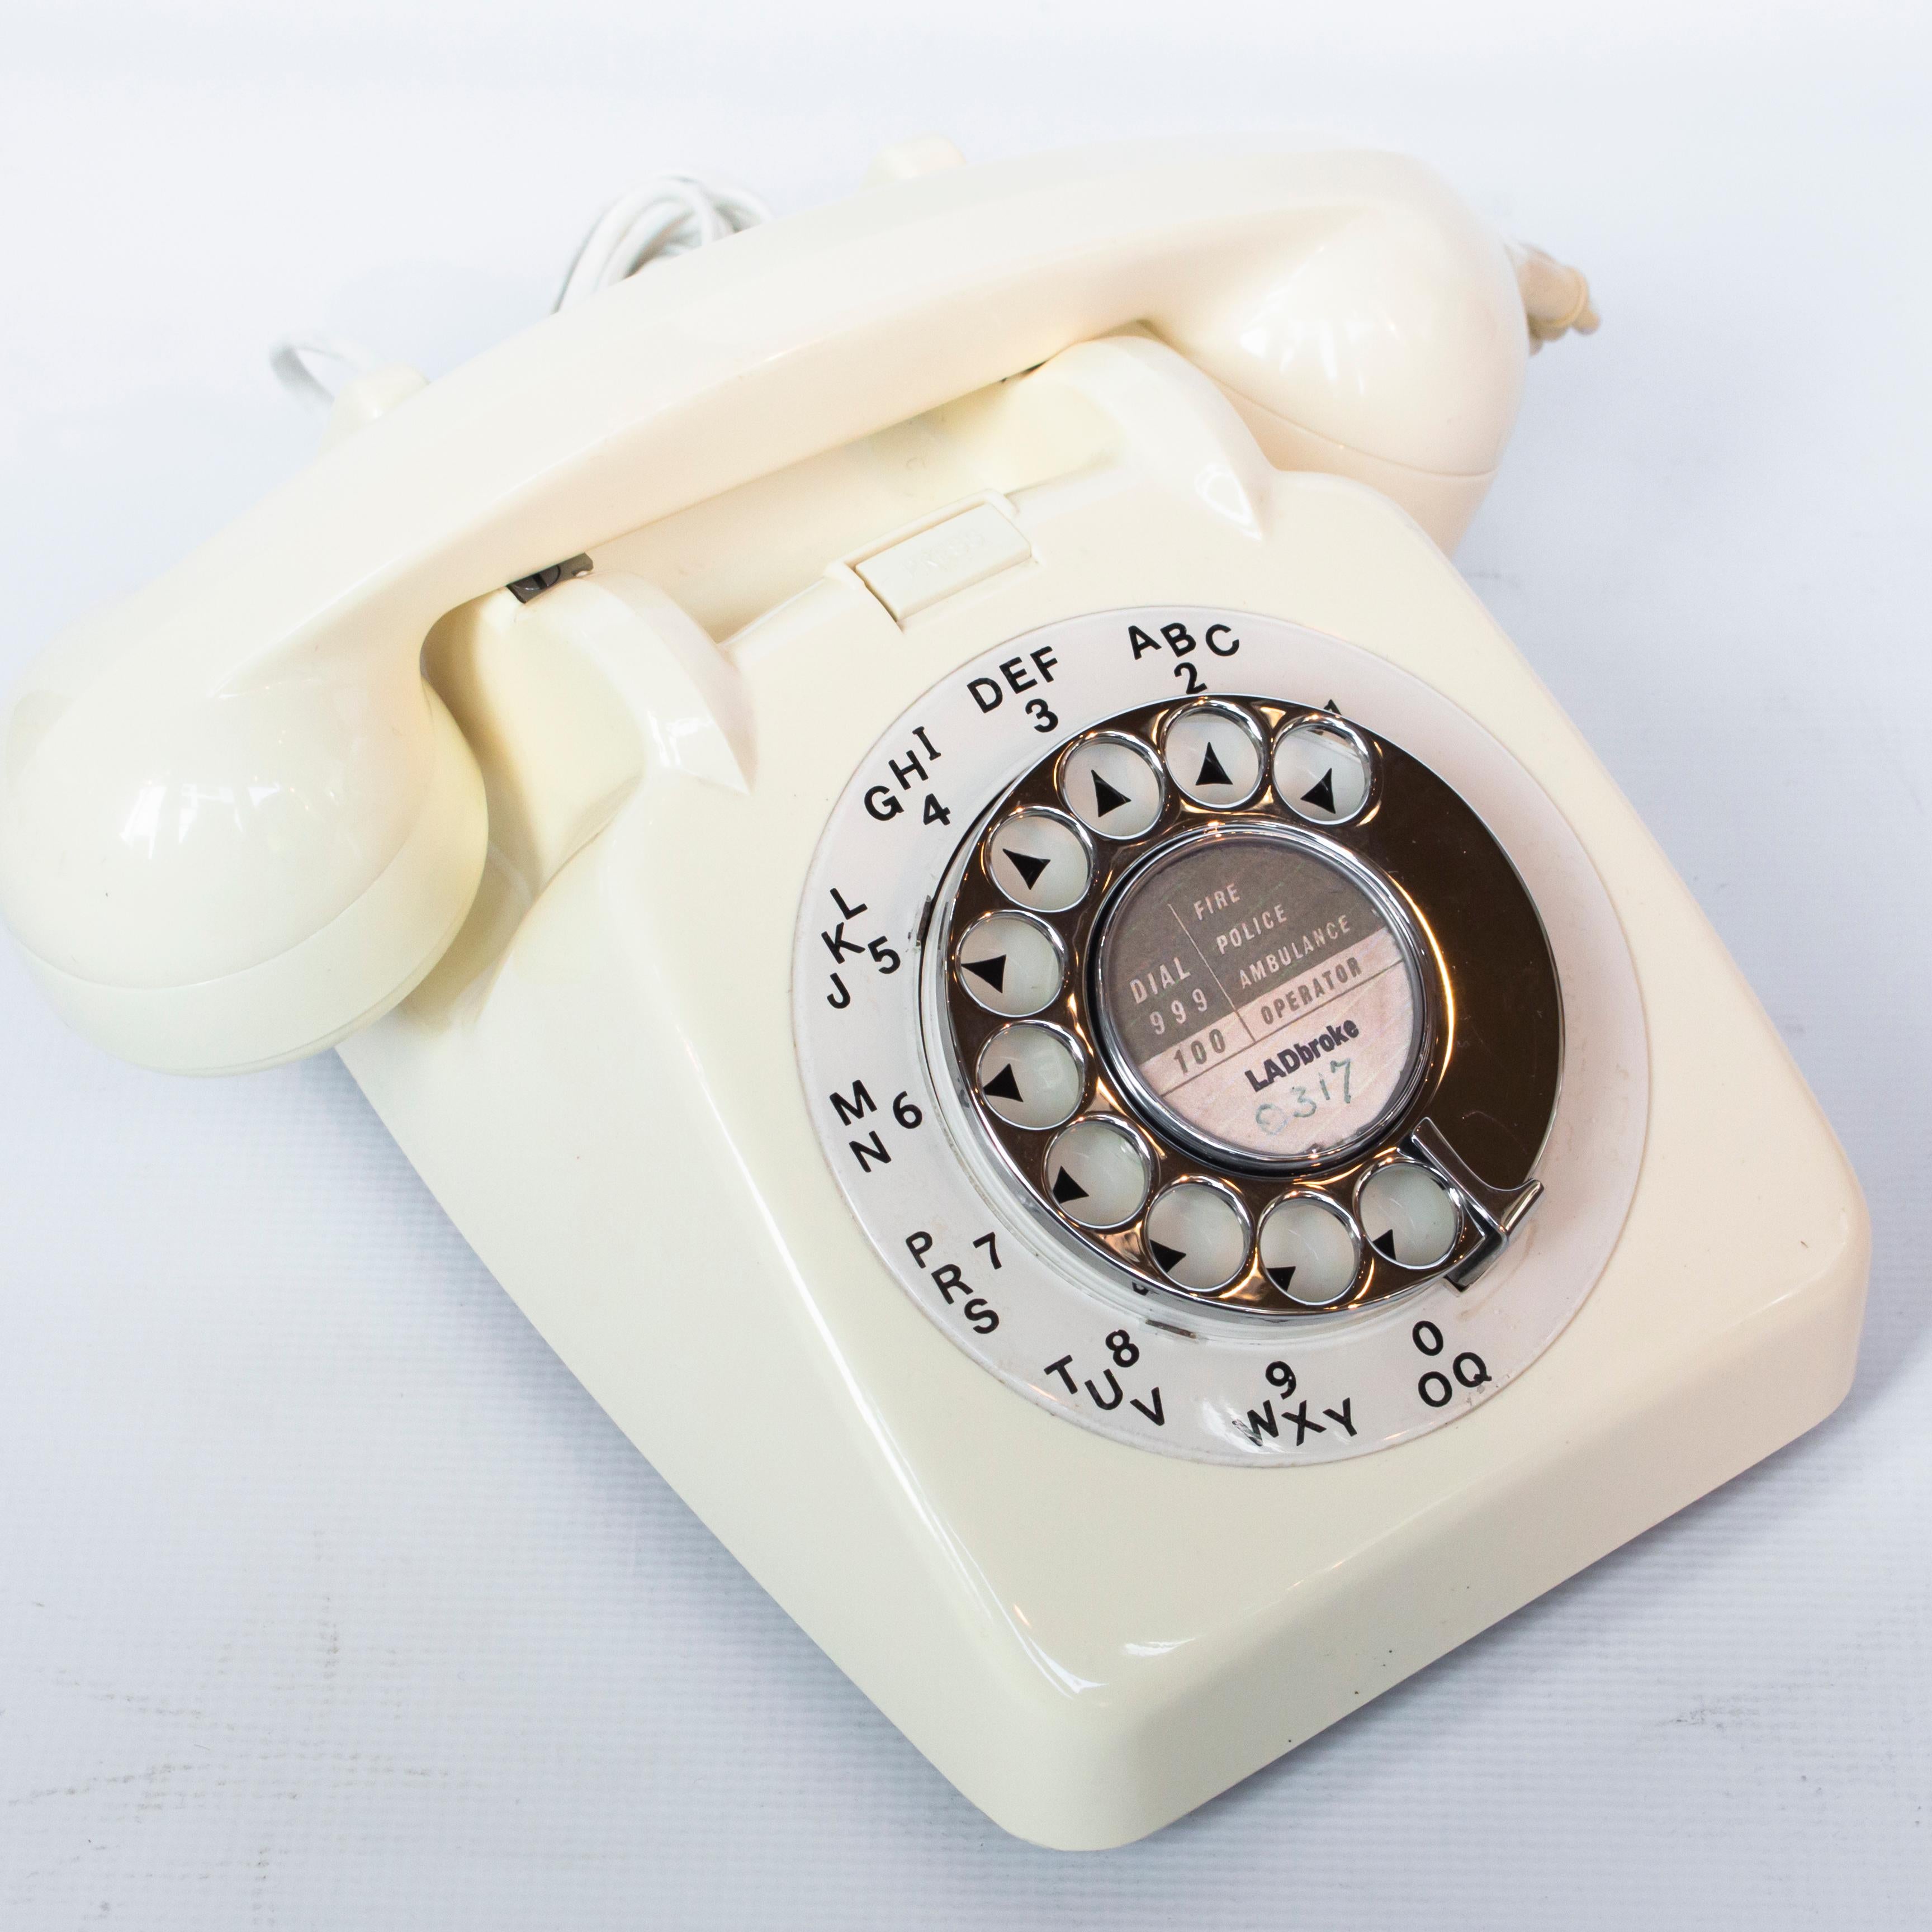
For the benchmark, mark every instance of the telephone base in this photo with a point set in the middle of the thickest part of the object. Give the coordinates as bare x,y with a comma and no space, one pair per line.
1087,1639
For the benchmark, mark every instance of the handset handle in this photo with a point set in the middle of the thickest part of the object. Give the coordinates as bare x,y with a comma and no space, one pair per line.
238,782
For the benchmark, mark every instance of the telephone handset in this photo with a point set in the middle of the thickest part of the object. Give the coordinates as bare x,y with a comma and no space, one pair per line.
238,822
902,817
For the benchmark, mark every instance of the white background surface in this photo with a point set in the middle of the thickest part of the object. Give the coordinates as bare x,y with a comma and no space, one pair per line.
327,1599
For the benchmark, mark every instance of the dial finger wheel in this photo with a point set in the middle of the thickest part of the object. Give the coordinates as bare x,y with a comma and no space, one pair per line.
1321,772
1228,1009
1112,783
1032,1076
1039,860
1009,964
1309,1249
1407,1214
1214,754
1098,1172
1197,1233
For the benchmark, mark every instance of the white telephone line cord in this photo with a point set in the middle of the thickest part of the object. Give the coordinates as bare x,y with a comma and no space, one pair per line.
669,215
290,359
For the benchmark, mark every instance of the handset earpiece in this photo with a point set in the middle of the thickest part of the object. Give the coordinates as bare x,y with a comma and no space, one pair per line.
1388,347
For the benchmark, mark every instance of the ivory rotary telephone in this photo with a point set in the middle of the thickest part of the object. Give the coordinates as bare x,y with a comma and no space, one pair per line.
906,819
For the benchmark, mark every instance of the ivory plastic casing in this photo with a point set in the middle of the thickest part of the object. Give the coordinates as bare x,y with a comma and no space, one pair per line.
630,1111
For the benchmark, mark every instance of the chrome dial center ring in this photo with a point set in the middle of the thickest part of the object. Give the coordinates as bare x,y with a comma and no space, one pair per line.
1278,950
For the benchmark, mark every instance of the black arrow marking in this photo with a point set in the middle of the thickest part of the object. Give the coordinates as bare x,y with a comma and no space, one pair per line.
1170,1259
1003,1084
1212,770
1028,866
1106,798
1065,1188
993,970
1281,1277
1384,1243
1331,706
1321,792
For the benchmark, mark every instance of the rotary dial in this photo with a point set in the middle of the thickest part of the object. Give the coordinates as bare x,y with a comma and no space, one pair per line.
1206,970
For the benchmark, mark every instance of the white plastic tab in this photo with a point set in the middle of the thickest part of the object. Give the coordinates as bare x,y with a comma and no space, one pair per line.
965,549
923,154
